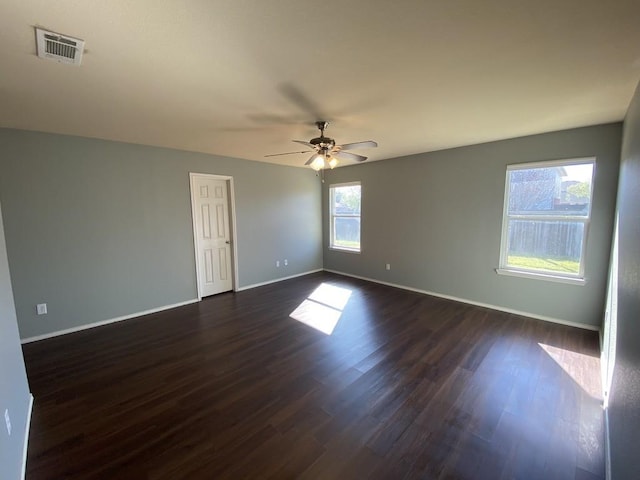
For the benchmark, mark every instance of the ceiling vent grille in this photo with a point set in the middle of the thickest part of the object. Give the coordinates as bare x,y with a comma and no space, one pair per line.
61,48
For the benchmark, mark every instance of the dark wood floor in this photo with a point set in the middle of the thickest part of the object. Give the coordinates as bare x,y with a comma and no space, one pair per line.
407,386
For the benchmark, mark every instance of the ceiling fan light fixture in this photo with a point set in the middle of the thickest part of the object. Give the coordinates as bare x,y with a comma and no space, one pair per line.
333,162
318,162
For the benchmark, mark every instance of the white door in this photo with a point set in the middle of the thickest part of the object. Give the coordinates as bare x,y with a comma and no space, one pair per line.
210,204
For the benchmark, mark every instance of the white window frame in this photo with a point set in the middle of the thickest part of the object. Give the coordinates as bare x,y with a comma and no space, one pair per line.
571,278
333,216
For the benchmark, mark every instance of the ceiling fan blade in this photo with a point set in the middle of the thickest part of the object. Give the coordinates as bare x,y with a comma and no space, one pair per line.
310,161
301,100
270,119
349,156
305,143
286,153
353,146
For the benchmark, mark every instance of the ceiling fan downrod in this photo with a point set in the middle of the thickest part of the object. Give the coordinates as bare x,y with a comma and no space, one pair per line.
321,126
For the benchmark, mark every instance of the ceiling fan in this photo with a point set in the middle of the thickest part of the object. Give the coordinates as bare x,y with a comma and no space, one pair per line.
327,153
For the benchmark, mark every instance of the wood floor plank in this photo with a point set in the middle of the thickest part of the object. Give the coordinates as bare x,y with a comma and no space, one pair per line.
406,386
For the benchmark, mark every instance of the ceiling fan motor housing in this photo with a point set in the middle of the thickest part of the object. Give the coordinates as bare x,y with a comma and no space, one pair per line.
323,141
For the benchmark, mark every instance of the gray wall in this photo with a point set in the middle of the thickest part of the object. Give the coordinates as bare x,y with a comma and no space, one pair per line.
14,390
437,217
624,397
99,230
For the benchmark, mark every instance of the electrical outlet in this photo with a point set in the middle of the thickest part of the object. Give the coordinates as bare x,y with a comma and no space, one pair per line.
286,262
277,263
388,266
41,308
7,420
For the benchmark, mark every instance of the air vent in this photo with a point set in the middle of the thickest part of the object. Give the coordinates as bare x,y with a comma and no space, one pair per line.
61,48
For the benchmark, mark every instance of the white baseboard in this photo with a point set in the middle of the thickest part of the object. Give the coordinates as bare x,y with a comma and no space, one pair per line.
26,437
105,322
607,446
472,302
247,287
147,312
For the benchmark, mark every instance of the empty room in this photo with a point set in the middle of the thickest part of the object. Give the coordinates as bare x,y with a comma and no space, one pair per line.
319,240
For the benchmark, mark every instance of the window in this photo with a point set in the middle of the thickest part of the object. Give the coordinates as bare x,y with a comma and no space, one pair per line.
547,209
345,216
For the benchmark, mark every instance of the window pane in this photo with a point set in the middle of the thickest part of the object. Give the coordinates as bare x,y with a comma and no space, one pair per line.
346,231
558,190
346,200
553,246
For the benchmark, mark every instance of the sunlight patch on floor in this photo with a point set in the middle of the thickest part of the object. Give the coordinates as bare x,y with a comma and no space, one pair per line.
323,308
583,369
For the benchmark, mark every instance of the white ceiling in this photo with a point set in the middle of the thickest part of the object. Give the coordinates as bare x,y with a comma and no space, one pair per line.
242,78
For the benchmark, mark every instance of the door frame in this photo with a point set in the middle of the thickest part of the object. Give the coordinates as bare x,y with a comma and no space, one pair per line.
232,227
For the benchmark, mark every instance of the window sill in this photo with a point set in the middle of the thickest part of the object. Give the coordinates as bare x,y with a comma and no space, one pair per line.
343,249
541,276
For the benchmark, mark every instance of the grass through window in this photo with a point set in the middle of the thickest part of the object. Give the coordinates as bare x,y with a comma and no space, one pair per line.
347,244
547,264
